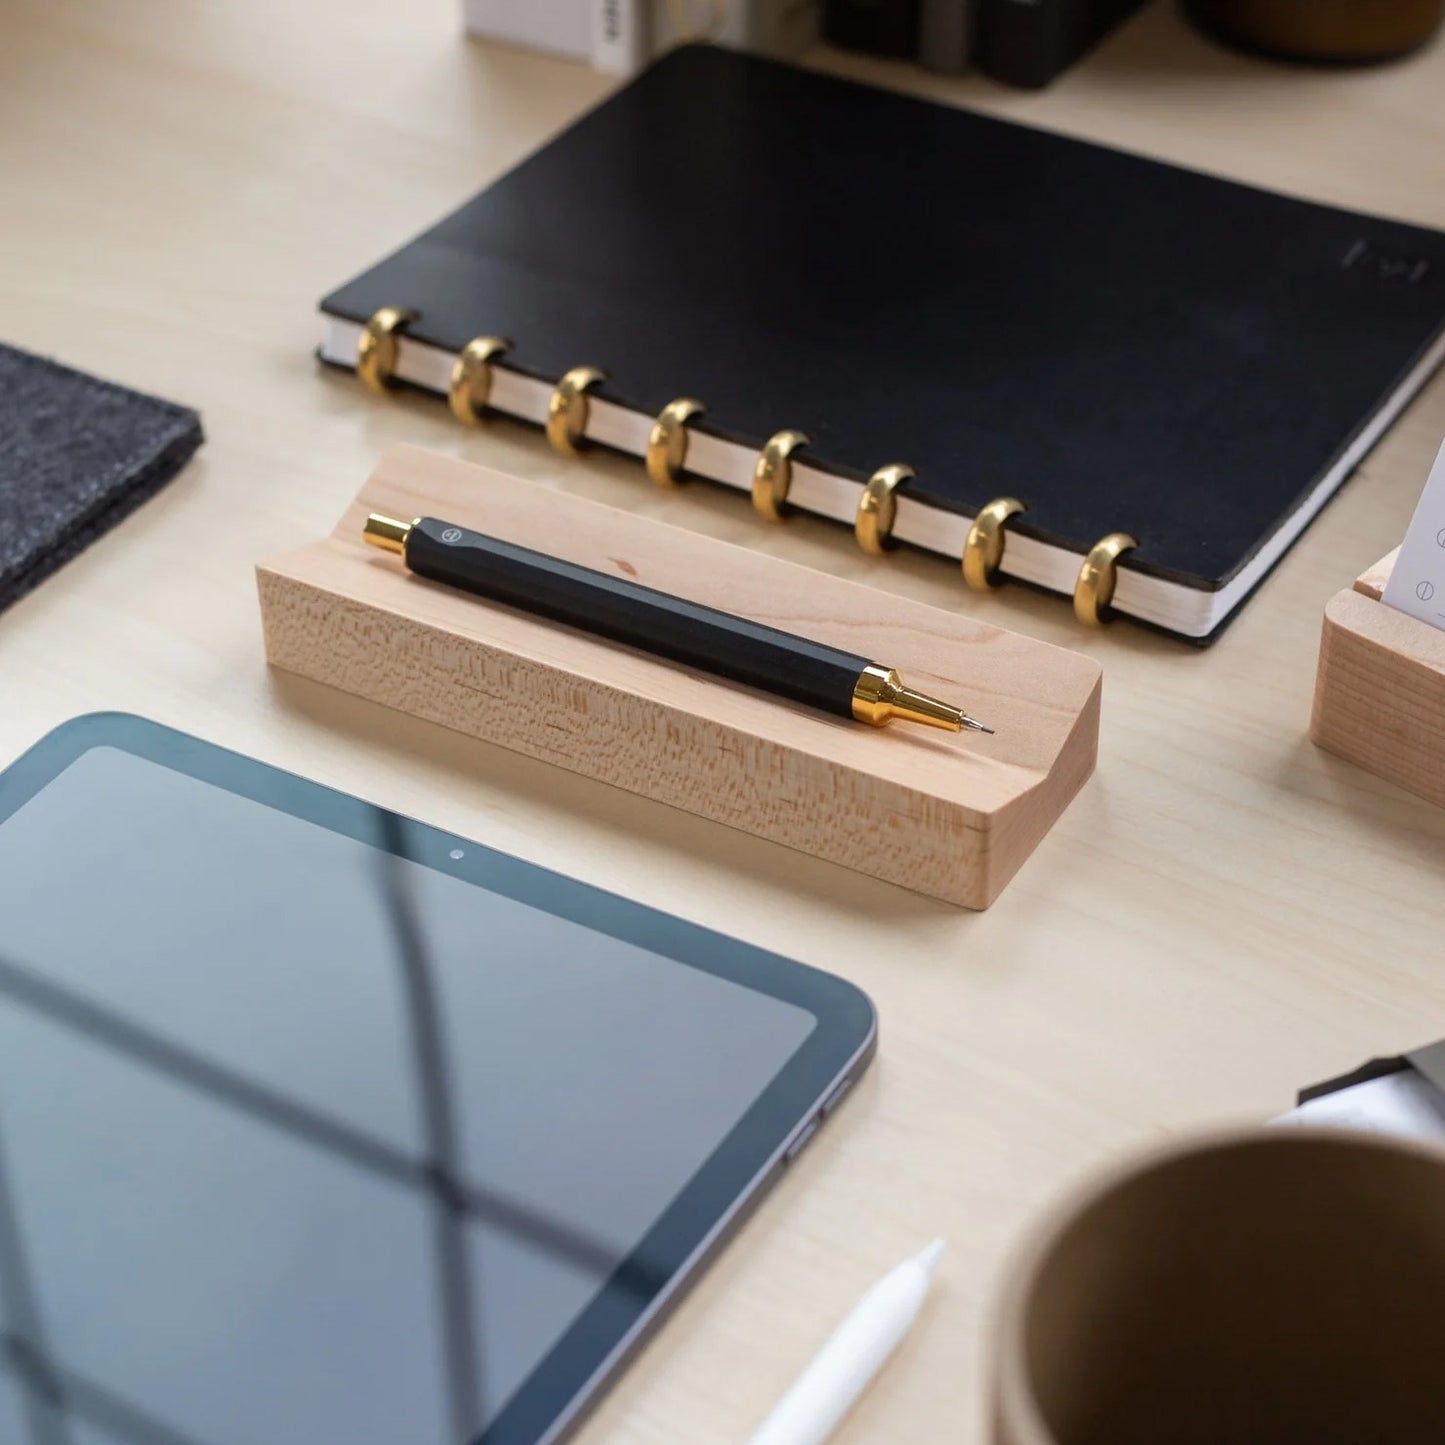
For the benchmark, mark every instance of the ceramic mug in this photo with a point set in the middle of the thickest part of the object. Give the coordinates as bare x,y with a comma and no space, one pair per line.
1283,1286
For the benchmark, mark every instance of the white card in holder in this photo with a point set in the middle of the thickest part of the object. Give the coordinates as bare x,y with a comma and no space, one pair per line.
1417,583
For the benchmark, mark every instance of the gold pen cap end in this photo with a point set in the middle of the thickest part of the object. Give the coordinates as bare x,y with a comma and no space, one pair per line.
880,695
387,533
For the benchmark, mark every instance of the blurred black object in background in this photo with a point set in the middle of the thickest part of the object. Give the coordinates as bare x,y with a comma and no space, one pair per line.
1326,32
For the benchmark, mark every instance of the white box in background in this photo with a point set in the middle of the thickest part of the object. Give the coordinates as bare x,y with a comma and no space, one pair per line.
560,27
621,36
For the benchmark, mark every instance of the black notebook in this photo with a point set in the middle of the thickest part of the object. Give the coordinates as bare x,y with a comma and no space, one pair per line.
1121,345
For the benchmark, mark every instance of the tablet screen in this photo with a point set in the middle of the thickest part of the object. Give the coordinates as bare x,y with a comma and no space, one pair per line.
305,1141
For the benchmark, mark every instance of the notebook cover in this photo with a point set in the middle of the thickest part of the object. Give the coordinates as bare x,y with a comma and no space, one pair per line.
76,456
1121,343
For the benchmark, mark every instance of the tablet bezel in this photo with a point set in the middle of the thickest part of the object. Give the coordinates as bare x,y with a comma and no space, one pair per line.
670,1256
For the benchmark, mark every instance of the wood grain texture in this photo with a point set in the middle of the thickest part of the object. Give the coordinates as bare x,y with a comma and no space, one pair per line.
1380,693
1224,913
1371,582
950,816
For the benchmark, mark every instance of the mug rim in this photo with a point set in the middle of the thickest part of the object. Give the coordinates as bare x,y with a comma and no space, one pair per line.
1012,1399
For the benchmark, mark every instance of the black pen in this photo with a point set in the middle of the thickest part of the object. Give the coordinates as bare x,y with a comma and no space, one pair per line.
812,673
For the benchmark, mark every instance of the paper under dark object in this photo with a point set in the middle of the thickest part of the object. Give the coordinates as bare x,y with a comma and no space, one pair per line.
1403,1095
77,455
1404,1104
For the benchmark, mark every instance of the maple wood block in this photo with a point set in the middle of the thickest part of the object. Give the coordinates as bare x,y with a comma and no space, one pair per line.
1380,690
950,815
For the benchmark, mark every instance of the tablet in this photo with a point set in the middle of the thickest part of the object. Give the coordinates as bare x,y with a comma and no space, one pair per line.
322,1127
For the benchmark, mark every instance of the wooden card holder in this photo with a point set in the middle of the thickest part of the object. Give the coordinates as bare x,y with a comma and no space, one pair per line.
950,815
1380,689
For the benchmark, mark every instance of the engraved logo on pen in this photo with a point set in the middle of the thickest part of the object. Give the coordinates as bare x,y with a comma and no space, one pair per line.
1384,265
451,534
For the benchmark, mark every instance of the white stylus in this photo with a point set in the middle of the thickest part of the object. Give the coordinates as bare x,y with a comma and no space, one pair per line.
852,1356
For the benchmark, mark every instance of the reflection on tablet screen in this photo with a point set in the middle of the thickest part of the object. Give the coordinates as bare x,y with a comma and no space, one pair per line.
303,1142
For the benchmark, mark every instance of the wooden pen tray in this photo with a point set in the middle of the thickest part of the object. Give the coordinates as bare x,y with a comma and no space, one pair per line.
950,815
1380,689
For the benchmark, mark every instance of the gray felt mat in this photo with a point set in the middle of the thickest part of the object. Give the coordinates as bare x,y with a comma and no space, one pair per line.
77,455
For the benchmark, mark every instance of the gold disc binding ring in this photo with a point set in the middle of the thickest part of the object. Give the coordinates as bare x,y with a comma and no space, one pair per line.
376,349
773,474
878,508
1094,590
471,383
983,551
567,409
667,441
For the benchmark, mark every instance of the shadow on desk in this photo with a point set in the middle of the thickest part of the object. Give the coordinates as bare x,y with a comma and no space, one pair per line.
1402,824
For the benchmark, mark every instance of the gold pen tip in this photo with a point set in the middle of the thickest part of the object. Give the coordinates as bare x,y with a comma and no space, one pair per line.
880,695
387,533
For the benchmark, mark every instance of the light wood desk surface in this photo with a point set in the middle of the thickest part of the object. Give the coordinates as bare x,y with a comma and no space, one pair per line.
1223,914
